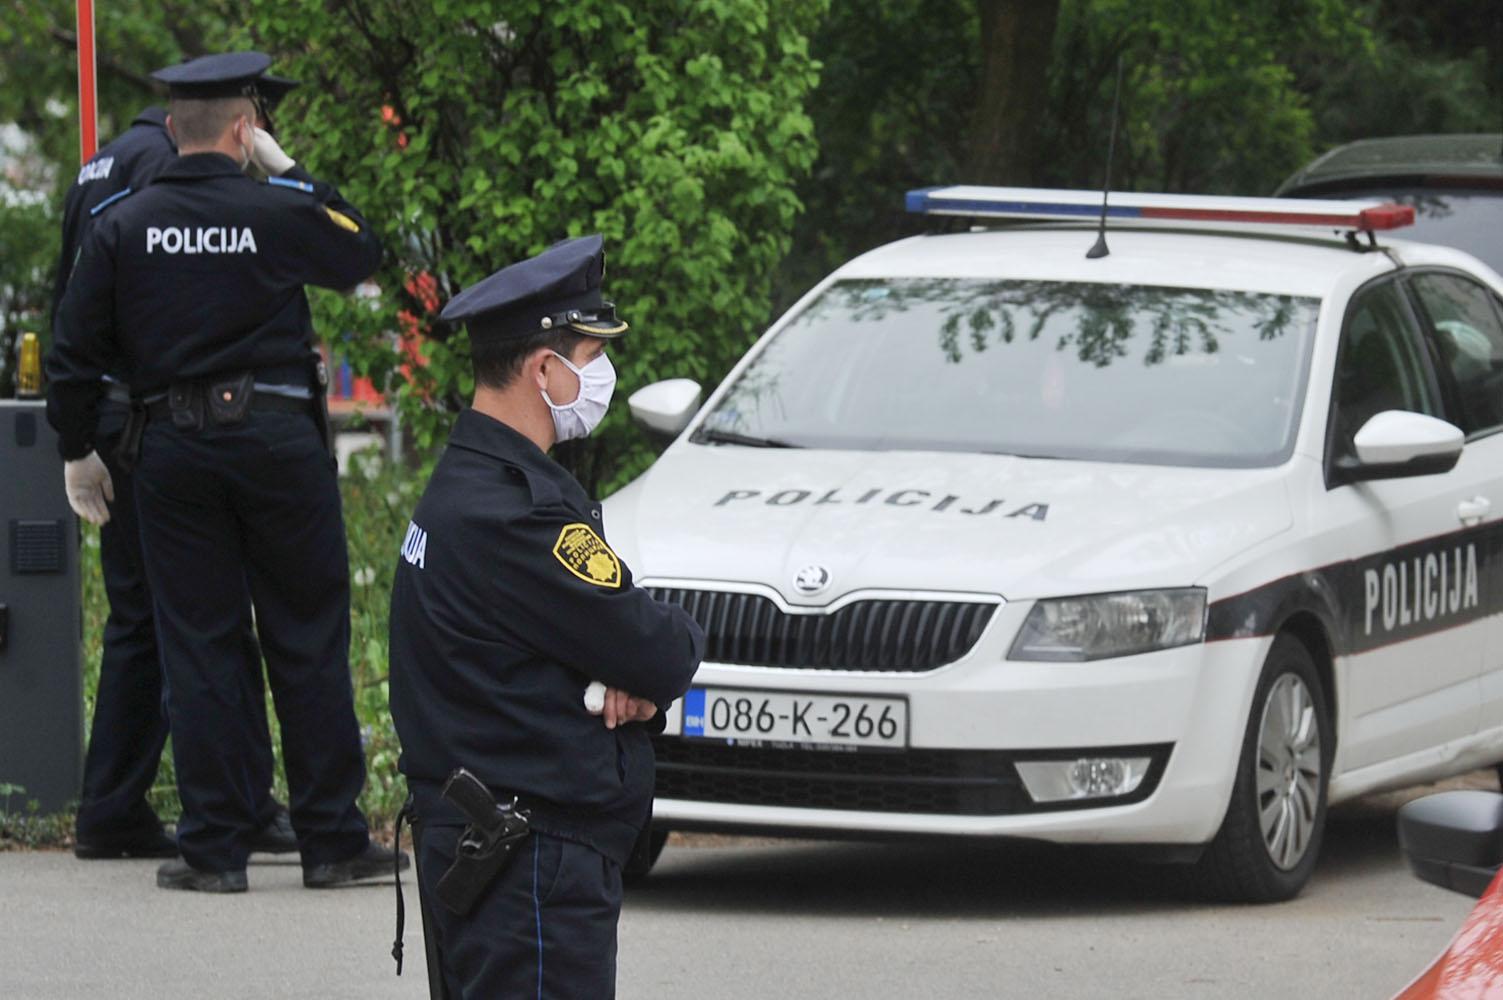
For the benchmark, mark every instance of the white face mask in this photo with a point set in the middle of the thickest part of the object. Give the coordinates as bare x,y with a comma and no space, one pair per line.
597,381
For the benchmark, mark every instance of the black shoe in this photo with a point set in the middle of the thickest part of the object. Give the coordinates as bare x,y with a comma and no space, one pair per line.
372,862
181,875
151,844
277,836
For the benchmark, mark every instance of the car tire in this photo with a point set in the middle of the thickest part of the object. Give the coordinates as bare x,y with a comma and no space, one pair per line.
644,855
1270,838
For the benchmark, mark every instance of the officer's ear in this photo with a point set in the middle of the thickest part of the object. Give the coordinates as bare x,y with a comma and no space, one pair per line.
535,368
172,129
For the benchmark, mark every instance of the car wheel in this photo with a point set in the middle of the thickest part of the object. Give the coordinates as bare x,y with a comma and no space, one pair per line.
1268,842
644,855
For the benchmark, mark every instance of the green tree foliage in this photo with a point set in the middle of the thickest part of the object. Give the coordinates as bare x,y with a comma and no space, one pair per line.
1434,66
891,113
39,97
475,134
1210,99
1218,96
38,64
28,251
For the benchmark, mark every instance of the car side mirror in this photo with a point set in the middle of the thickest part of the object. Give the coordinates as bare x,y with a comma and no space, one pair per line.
1395,444
1454,839
665,407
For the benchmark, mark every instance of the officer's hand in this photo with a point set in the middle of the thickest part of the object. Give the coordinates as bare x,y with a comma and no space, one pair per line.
621,708
89,488
268,155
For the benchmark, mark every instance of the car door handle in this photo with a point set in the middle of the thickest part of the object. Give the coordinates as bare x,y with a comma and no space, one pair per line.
1474,510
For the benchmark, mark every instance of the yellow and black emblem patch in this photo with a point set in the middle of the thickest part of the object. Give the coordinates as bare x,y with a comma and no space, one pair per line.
586,555
342,221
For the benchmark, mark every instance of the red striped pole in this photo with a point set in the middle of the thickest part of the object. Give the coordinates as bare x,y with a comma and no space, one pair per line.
88,119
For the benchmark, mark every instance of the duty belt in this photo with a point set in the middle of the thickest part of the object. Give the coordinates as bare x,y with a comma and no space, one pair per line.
160,407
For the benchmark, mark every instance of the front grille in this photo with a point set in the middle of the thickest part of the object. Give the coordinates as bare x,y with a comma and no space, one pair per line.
927,781
879,634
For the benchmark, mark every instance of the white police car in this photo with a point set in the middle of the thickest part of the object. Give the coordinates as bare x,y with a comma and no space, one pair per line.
1168,548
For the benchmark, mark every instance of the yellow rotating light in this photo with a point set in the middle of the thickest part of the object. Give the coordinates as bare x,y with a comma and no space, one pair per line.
29,370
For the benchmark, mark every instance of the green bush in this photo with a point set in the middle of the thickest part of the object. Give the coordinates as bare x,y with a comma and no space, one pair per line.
473,136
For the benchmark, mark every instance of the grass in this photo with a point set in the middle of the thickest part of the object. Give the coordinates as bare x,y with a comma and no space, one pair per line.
378,499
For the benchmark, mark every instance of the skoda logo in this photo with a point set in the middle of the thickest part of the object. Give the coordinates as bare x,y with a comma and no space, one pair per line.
811,580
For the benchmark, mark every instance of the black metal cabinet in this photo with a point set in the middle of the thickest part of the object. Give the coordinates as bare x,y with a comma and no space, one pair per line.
41,675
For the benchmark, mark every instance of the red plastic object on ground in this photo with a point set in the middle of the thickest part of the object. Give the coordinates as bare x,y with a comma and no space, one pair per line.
1471,968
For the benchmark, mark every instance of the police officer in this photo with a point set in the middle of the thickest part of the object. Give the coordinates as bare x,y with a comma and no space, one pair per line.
195,286
508,602
129,728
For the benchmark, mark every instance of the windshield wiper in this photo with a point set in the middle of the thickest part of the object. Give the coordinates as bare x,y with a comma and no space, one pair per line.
1023,454
731,437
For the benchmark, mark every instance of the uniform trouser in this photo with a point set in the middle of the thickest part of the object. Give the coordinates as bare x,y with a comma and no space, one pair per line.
545,928
256,505
129,727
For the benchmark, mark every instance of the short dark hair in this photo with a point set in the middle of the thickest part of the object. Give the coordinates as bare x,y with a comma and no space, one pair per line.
498,360
201,121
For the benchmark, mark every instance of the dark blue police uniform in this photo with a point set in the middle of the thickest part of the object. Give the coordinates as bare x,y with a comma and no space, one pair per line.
507,603
195,285
129,727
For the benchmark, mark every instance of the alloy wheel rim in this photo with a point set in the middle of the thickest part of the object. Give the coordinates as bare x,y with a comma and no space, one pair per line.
1288,771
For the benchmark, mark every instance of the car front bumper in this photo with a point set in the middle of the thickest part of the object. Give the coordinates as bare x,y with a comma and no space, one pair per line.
969,723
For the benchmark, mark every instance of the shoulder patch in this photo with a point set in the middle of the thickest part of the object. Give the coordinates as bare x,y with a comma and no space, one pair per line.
290,182
109,201
342,221
585,554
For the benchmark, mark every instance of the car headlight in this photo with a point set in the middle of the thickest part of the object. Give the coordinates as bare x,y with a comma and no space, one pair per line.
1104,625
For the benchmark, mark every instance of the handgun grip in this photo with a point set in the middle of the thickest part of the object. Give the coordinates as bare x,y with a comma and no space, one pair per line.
468,793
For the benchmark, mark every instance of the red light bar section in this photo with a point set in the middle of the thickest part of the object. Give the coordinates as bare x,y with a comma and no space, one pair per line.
1390,216
1382,217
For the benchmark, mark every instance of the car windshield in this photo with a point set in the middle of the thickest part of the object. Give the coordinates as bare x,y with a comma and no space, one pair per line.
1068,370
1467,220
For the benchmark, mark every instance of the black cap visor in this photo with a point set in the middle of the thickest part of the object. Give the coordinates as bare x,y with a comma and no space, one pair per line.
586,313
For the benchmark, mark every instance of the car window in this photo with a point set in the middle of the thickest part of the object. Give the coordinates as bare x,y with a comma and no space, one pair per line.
1381,367
1470,341
1470,220
1044,369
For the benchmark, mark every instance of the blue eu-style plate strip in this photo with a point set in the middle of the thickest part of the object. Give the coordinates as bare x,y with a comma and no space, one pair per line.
694,712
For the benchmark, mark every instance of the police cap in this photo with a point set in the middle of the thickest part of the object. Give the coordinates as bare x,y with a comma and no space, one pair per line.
225,74
273,88
559,288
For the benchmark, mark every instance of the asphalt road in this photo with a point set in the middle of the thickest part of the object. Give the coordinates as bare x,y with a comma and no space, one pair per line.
755,919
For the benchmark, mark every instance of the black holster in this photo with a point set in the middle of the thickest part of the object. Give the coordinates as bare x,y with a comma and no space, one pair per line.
185,401
318,372
127,451
486,845
228,400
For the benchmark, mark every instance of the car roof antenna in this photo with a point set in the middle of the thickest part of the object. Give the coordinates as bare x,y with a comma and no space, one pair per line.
1100,249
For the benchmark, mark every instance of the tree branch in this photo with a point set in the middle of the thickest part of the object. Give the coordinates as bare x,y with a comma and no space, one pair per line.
70,41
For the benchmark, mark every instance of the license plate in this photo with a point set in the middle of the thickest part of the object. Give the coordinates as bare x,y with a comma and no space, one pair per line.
786,717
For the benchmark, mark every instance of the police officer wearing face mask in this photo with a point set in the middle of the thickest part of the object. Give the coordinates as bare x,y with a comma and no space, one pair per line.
194,287
508,602
129,727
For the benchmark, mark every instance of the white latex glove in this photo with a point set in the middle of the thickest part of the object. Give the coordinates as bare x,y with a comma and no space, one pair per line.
266,154
594,698
89,487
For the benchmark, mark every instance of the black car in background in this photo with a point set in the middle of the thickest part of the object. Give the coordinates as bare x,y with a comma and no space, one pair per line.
1454,182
